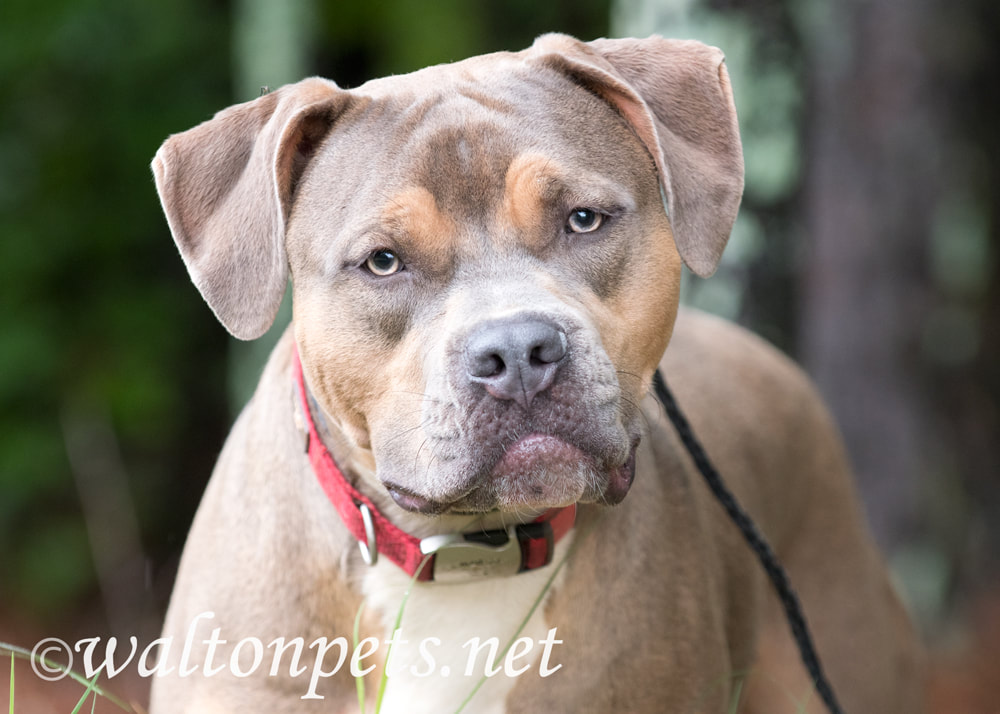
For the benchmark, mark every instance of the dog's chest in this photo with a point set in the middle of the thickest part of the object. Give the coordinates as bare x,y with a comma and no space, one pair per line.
451,635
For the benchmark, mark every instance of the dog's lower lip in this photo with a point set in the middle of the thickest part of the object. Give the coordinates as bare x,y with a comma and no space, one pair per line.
411,502
518,468
533,450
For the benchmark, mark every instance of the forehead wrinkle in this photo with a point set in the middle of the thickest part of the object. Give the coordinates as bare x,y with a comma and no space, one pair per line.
460,145
460,164
535,185
413,214
531,184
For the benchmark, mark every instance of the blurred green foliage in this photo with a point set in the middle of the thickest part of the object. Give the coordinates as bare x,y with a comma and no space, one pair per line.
97,317
94,315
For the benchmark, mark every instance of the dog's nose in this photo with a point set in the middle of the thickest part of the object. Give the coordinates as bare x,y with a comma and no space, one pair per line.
515,359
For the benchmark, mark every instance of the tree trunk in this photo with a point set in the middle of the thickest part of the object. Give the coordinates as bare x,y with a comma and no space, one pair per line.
871,182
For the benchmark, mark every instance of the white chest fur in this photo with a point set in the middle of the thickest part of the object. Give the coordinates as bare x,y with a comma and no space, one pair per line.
453,634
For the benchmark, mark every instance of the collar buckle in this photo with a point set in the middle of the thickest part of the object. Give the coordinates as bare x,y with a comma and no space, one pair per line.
459,557
369,546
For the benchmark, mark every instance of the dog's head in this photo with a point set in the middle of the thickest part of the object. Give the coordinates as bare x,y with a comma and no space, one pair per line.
485,256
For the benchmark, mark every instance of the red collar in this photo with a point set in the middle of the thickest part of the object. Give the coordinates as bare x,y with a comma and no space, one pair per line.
451,557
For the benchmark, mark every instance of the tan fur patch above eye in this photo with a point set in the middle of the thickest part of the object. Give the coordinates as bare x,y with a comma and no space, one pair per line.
414,213
531,184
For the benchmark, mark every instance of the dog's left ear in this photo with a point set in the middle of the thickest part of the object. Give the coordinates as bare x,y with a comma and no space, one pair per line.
677,98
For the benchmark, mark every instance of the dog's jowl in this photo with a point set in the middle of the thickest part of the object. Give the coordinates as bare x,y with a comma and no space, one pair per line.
485,260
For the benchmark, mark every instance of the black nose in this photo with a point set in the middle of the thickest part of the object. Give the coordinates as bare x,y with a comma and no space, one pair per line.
515,358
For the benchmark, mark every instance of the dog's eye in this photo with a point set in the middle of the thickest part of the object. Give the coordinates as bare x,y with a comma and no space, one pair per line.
583,220
383,262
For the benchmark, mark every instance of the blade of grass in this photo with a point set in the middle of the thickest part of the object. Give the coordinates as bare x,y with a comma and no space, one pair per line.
90,688
733,681
531,611
16,651
11,683
359,682
801,703
734,703
399,619
804,702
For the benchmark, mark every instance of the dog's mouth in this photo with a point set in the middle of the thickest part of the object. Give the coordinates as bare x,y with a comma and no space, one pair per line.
538,471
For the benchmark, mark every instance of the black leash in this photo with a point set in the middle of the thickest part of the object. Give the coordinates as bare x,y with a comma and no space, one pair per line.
753,537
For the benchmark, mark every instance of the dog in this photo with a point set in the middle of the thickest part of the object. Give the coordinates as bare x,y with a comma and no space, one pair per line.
453,484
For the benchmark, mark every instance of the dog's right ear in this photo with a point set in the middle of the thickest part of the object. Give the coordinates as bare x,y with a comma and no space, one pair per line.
227,188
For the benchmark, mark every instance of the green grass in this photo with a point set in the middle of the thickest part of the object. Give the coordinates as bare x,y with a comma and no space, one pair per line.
734,699
93,691
384,679
736,680
91,688
527,617
359,682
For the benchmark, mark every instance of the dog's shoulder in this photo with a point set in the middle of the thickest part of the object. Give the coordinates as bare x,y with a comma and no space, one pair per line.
760,416
719,362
